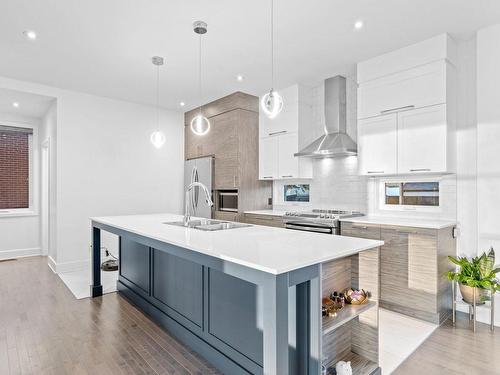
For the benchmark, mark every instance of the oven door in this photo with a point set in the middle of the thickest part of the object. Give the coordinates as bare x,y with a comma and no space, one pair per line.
310,227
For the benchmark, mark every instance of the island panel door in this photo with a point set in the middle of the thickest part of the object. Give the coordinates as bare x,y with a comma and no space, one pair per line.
134,263
235,314
178,283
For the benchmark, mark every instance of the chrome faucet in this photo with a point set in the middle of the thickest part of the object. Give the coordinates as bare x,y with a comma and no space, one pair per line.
208,200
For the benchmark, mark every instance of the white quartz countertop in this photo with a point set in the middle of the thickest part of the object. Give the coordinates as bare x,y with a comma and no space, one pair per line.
404,222
268,249
267,212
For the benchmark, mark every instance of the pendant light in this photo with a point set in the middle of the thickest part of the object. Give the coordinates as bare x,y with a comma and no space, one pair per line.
157,137
272,102
200,125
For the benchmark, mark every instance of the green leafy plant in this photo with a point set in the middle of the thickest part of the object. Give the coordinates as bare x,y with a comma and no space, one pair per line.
477,272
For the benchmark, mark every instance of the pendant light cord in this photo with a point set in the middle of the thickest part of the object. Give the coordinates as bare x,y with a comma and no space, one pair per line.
199,75
272,45
158,97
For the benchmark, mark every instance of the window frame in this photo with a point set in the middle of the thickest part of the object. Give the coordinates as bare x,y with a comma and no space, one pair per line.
407,207
31,210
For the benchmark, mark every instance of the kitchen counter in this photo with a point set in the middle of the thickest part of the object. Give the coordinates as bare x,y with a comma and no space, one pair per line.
404,222
235,296
267,249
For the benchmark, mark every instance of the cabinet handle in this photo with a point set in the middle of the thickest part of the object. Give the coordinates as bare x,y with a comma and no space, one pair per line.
397,109
267,177
276,133
234,181
360,227
287,176
420,170
373,172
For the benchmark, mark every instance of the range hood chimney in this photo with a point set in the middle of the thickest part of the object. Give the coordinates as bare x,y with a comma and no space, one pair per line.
335,142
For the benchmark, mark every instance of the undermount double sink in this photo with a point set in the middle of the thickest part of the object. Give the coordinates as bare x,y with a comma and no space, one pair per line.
208,225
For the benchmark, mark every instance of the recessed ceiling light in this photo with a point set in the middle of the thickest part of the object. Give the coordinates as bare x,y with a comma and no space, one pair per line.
182,104
358,25
15,104
29,34
240,78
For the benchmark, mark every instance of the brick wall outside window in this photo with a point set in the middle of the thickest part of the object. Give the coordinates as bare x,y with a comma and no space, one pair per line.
14,169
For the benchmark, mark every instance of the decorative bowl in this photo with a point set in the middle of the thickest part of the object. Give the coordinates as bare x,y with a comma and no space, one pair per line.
356,296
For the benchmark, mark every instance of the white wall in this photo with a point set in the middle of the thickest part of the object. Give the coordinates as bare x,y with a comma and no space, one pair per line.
20,235
488,137
106,164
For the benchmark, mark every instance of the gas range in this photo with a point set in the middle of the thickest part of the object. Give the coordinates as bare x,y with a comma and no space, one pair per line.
316,220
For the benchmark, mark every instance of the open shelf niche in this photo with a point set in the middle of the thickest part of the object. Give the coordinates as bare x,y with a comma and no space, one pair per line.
353,334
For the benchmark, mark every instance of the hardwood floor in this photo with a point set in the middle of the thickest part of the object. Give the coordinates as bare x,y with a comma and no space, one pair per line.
455,351
45,330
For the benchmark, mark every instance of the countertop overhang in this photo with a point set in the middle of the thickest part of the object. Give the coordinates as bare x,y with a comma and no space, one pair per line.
402,222
268,249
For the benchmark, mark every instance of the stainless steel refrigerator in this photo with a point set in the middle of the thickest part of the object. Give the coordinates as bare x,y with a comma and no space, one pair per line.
199,170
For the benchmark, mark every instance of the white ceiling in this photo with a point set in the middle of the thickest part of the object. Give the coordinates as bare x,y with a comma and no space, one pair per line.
31,105
104,47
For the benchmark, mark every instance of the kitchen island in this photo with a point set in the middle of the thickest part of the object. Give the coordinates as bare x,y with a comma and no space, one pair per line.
248,299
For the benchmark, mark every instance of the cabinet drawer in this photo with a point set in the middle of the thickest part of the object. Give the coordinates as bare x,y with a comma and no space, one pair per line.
266,220
414,88
369,231
228,216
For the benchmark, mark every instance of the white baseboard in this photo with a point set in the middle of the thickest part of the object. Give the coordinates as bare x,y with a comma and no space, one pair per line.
72,266
19,253
67,266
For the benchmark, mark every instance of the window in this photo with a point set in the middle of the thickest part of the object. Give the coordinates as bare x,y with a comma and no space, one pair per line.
296,193
412,193
15,167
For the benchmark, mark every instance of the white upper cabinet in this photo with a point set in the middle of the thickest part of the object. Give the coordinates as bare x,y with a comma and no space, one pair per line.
422,140
277,160
288,166
414,88
377,145
268,158
287,120
279,137
416,85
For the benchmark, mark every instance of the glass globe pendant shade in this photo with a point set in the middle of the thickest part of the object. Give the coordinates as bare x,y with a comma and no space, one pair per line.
200,125
272,104
158,139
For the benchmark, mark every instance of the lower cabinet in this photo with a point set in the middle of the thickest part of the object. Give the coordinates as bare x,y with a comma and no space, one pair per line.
266,220
178,284
413,262
232,316
196,302
134,264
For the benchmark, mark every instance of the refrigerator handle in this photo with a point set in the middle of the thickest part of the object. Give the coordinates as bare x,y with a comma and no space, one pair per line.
196,189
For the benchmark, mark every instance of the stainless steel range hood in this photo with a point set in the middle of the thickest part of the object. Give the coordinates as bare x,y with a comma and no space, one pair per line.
336,142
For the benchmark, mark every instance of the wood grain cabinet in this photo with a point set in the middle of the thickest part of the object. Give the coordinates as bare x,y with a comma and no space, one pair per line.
266,220
413,262
233,141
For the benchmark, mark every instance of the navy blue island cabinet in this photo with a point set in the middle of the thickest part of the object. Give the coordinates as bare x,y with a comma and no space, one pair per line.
242,320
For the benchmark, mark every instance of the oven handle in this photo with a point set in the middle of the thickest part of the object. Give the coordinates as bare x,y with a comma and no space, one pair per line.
309,229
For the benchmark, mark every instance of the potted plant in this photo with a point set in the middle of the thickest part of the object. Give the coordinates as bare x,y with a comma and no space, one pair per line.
478,273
